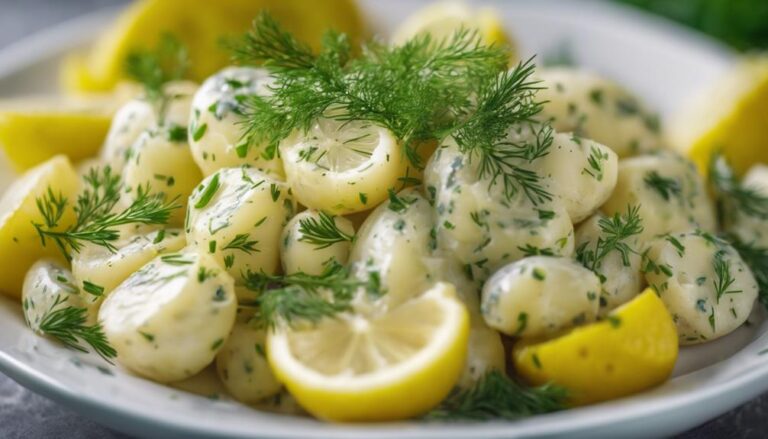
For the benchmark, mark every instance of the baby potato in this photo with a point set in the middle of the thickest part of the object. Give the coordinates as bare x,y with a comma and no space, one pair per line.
597,108
20,243
485,354
621,280
242,364
300,249
668,191
166,165
750,229
480,227
396,242
237,215
139,115
215,134
581,173
170,319
704,283
540,296
108,269
48,287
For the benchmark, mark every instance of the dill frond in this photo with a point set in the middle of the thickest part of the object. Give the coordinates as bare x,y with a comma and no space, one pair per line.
96,219
616,231
322,232
68,325
302,296
415,90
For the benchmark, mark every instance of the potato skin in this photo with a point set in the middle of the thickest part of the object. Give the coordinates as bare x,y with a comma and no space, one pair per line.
169,319
685,270
540,296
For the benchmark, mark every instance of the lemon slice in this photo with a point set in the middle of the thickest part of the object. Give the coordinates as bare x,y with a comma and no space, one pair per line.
634,349
342,167
391,366
34,130
200,25
731,115
442,19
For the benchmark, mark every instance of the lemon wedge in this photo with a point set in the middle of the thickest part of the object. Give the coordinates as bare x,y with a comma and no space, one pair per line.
342,167
442,19
730,116
34,130
633,349
384,366
200,25
18,211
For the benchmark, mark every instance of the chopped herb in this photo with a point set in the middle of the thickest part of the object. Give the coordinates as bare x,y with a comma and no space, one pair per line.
665,187
243,243
93,289
206,195
724,280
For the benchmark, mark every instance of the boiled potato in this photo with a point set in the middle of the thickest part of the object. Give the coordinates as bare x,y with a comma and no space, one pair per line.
580,173
395,242
139,115
108,269
668,191
485,354
242,364
540,296
216,130
170,319
343,167
48,287
750,229
160,156
237,215
621,280
19,241
597,108
299,253
704,283
477,225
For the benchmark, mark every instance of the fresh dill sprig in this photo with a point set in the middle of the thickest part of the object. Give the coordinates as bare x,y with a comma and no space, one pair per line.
595,163
302,296
244,243
153,69
723,278
731,195
415,90
665,187
616,231
496,397
756,258
96,219
322,232
505,101
68,325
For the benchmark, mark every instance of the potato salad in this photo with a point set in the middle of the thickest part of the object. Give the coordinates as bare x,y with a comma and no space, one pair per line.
426,228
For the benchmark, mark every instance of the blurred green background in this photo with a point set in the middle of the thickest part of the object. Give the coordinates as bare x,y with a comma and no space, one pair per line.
743,24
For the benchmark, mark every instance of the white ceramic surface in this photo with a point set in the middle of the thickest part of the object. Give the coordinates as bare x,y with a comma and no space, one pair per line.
662,62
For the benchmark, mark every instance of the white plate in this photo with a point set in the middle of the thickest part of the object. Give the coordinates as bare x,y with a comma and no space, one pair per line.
663,63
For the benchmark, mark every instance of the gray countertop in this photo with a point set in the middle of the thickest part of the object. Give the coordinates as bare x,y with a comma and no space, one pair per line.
24,414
